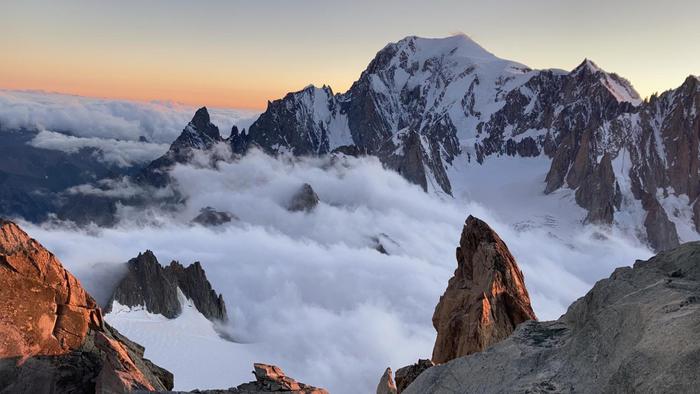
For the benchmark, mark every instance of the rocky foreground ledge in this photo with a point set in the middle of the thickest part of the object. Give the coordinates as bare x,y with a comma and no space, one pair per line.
637,331
52,336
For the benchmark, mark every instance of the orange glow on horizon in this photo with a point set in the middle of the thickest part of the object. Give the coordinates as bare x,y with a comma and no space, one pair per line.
242,54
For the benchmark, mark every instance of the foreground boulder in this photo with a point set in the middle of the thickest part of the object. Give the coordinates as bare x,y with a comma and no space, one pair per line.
485,299
155,287
271,379
52,336
268,379
636,331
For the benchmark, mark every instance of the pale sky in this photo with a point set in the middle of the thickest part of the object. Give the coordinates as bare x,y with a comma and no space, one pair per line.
243,53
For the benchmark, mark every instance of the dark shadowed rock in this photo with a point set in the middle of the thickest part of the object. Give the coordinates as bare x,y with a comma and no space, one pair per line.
661,232
147,284
155,287
199,135
633,332
193,282
599,193
209,216
378,245
406,375
52,336
485,299
305,199
696,214
348,150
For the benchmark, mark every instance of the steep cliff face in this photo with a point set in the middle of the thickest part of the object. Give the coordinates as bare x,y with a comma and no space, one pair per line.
154,287
485,299
52,336
635,331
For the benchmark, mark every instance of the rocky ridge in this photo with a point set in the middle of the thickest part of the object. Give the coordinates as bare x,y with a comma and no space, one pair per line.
58,340
635,331
425,107
268,379
149,284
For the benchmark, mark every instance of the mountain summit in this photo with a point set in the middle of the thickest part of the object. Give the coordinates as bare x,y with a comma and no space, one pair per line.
433,108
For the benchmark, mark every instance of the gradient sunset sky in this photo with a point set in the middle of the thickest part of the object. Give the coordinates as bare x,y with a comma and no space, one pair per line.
242,53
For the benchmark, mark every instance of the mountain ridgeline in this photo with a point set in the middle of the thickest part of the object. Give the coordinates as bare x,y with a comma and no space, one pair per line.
428,107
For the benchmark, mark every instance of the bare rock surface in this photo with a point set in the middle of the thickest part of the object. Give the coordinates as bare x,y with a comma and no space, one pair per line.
268,379
305,199
386,383
52,336
406,375
209,216
485,299
661,231
149,284
633,332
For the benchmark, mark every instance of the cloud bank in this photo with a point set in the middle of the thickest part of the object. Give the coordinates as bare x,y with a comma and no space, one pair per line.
115,127
308,291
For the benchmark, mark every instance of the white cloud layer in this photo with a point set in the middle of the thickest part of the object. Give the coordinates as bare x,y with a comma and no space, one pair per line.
307,291
99,123
117,152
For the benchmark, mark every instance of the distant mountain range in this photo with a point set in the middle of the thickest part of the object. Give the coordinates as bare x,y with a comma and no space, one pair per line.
428,108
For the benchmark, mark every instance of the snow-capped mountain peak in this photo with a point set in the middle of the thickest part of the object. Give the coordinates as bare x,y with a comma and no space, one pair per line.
458,46
620,88
430,107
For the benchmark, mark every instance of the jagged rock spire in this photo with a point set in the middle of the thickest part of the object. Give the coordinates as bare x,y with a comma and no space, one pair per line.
149,284
485,299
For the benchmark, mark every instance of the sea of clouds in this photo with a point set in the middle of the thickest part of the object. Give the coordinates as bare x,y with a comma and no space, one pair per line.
308,291
69,123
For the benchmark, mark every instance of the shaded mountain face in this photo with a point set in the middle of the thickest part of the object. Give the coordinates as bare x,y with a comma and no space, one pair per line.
150,285
52,336
636,330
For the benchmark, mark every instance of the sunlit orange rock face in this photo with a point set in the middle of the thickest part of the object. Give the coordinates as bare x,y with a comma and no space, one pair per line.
44,311
485,299
43,308
271,379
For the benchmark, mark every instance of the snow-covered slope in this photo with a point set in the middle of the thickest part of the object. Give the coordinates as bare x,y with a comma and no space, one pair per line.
188,346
